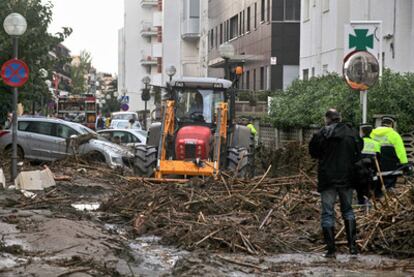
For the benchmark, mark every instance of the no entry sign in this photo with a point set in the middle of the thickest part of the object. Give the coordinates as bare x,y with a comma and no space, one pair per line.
15,73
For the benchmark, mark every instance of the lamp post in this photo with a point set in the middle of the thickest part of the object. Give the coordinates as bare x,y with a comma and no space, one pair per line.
15,25
145,96
226,51
171,70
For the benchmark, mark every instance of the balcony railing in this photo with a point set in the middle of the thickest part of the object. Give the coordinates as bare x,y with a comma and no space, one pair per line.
148,60
149,3
148,30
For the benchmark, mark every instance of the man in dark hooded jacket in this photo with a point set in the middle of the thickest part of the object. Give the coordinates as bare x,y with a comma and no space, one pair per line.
337,146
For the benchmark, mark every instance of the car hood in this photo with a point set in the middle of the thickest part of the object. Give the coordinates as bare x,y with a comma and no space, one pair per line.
111,147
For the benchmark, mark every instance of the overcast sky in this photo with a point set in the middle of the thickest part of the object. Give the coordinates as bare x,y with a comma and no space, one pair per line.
95,25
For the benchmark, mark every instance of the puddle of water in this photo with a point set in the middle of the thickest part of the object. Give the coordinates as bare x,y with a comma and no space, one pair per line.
153,258
9,261
86,206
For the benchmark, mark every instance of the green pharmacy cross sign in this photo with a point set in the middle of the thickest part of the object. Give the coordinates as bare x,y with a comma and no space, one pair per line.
361,40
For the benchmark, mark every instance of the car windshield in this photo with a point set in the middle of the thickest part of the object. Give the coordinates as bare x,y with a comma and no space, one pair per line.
198,104
124,116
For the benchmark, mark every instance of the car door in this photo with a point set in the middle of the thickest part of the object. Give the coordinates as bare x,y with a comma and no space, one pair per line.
42,142
62,136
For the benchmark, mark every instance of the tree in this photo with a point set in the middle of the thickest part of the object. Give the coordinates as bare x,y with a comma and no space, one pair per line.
305,102
34,48
112,104
79,72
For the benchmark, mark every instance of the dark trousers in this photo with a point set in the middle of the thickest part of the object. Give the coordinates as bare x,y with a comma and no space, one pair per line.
328,199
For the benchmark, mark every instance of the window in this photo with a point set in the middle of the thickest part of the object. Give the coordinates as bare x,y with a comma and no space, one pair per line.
313,72
248,79
38,127
324,69
64,131
216,37
221,33
212,38
243,24
292,10
194,8
233,26
262,11
325,5
262,78
305,74
306,9
255,15
254,79
240,23
248,20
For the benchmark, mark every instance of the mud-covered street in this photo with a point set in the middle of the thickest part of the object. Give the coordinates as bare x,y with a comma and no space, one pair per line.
71,229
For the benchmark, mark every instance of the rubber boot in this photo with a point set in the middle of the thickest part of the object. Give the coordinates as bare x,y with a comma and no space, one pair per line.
350,228
329,235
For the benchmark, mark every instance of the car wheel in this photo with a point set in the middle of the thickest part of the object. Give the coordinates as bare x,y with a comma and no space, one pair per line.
8,153
95,156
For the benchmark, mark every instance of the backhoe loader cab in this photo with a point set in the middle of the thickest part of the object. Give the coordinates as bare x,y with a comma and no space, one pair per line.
197,136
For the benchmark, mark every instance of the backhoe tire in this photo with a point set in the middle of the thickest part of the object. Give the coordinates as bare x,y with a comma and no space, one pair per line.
145,160
238,161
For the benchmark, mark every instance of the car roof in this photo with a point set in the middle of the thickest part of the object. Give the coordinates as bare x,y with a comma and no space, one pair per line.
50,119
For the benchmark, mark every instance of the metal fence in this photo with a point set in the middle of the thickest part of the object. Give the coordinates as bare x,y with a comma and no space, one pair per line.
276,138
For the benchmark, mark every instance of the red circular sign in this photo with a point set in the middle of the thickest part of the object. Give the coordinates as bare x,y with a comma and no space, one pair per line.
15,73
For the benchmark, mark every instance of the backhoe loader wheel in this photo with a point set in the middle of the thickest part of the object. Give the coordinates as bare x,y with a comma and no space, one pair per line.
145,160
238,161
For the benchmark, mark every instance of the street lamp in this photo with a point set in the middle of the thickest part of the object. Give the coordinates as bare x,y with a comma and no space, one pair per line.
171,70
226,51
145,96
15,25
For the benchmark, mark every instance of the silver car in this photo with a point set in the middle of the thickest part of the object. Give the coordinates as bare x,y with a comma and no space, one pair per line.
127,137
47,139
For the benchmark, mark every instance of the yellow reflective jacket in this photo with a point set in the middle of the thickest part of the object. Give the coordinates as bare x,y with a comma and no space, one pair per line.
387,136
252,129
371,147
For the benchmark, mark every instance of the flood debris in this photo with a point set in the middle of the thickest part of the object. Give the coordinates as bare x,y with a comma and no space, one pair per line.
2,178
257,216
35,180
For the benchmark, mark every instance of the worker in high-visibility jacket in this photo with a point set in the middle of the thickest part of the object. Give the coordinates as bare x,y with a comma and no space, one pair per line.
393,153
251,127
367,169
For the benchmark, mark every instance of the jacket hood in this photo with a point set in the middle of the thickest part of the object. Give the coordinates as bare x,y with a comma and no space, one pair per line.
382,131
337,130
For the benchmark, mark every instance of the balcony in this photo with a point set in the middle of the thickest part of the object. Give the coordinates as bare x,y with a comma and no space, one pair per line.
148,30
148,60
191,29
149,3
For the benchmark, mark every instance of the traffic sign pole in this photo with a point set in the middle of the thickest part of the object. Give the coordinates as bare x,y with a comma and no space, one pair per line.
364,102
14,125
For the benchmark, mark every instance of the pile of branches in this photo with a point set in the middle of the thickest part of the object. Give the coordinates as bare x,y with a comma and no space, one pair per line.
262,215
389,227
276,215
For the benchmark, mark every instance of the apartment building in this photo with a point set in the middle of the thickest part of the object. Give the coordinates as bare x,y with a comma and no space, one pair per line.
157,34
322,33
265,35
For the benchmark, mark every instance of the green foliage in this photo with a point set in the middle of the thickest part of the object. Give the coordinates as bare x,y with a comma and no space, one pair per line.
304,103
34,47
78,73
113,104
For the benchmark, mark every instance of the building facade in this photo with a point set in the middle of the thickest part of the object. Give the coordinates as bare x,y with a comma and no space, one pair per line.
265,35
322,33
157,34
